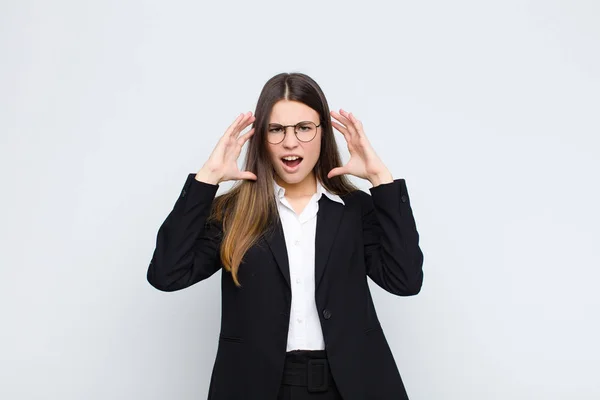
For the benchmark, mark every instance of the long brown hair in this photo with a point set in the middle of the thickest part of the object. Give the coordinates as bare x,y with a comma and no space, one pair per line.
249,209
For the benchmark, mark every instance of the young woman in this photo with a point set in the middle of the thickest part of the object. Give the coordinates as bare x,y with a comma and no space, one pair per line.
296,242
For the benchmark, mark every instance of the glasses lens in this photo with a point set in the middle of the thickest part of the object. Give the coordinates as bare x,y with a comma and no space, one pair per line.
306,131
275,133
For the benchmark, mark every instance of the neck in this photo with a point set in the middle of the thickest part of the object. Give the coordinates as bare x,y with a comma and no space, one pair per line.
307,187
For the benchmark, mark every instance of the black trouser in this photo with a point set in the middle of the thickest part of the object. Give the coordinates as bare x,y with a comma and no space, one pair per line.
307,376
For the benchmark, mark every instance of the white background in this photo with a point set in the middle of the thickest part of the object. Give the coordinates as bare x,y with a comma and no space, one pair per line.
489,110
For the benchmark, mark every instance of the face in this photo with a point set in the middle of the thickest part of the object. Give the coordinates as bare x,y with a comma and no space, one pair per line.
287,112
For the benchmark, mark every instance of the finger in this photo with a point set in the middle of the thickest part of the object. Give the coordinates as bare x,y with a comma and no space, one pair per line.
250,121
242,139
351,127
340,128
340,118
233,125
347,123
357,124
244,123
241,124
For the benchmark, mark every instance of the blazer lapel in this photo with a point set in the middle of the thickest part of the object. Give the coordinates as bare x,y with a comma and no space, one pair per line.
328,221
276,242
329,217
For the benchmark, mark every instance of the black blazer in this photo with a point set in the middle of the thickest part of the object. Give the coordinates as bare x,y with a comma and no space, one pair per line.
373,236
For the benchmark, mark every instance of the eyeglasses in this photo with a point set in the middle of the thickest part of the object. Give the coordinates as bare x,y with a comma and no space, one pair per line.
305,132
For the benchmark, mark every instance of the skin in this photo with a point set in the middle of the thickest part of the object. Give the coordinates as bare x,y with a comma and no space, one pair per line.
302,182
363,163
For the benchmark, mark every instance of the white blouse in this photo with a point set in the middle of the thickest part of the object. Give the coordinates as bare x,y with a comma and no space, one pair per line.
300,231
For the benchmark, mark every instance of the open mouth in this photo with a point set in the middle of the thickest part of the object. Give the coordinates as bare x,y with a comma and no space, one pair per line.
292,163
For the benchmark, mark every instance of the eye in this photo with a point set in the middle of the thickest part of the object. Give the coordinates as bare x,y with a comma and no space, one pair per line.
275,129
305,126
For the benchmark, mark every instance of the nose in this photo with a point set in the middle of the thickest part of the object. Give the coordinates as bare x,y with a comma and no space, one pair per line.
290,140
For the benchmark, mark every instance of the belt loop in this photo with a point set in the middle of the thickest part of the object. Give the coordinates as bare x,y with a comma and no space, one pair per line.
317,375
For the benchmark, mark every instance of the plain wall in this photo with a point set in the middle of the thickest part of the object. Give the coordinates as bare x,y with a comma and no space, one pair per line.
489,110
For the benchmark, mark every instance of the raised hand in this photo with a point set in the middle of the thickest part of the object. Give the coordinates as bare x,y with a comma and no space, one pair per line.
364,162
222,164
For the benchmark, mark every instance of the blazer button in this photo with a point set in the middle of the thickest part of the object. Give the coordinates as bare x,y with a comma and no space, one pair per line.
326,314
404,199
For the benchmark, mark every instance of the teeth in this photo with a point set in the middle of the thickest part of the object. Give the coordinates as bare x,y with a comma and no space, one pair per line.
291,158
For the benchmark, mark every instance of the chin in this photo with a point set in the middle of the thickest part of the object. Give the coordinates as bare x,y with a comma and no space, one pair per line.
297,176
291,178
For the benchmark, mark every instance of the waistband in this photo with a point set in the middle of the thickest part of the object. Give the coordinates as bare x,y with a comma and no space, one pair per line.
308,368
304,355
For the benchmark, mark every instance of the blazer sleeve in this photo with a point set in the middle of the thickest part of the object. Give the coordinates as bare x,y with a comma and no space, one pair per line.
187,247
393,257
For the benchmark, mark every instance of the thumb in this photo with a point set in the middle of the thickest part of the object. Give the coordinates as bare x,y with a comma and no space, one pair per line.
247,175
336,171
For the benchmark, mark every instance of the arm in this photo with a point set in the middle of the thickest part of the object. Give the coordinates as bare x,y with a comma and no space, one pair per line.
187,249
393,257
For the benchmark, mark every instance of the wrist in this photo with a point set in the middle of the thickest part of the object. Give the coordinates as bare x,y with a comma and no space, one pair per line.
207,176
381,178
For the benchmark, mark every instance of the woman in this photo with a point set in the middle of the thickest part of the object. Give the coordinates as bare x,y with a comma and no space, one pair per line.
296,241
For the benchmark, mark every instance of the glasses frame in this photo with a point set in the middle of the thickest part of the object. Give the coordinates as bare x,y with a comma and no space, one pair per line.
295,131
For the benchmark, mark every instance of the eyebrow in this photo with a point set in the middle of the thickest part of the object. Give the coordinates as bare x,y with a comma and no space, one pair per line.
278,123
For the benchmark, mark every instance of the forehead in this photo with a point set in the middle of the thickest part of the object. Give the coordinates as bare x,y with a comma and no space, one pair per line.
287,112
